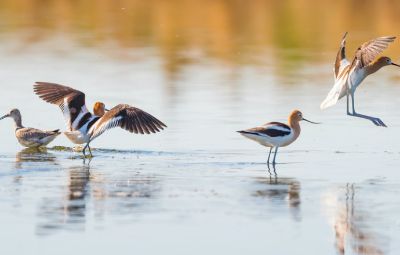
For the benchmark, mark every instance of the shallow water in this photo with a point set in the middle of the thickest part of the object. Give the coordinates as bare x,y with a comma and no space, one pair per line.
198,187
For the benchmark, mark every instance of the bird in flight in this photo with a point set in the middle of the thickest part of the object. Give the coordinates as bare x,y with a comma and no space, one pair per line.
349,75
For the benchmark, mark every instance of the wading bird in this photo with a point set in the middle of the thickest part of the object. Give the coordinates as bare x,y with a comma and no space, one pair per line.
82,126
349,75
276,134
30,137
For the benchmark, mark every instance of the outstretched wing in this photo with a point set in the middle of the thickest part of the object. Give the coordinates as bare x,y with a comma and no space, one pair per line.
341,69
129,118
341,60
368,51
71,101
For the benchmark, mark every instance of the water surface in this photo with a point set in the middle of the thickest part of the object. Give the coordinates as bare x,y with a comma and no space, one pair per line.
198,187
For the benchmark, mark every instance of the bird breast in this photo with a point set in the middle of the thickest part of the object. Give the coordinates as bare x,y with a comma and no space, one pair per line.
356,78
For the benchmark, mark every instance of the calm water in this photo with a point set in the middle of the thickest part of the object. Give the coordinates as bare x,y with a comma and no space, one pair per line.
198,187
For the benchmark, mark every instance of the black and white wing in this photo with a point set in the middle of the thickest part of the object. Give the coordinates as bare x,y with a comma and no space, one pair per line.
71,102
129,118
271,129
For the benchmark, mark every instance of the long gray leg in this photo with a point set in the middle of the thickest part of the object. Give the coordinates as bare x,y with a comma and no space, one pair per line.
87,147
376,121
276,152
269,155
83,151
352,102
90,150
347,103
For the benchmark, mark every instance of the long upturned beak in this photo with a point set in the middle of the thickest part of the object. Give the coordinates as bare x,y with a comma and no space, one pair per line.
311,121
5,116
395,64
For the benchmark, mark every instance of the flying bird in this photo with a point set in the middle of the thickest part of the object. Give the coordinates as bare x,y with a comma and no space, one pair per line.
349,75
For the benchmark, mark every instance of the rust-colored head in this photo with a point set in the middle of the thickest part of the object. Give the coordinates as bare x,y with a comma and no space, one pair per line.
99,109
297,116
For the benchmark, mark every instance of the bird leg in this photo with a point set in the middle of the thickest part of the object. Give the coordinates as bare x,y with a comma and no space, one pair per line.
347,103
84,149
269,155
90,150
276,175
376,121
276,152
270,173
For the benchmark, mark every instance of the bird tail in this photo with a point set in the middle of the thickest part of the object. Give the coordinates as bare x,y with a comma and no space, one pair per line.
57,131
329,101
337,92
246,132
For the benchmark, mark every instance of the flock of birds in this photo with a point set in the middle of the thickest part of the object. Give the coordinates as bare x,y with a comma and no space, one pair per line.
82,126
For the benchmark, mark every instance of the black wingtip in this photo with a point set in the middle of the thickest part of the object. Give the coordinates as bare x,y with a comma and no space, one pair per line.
56,131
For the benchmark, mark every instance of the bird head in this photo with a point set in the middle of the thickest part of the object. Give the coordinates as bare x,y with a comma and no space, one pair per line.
297,116
99,109
385,61
14,113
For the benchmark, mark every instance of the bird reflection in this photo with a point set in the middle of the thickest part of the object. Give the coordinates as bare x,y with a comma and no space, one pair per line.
351,229
125,194
108,194
281,189
28,159
29,155
70,212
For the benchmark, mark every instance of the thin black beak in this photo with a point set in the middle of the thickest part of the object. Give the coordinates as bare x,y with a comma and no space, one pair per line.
105,109
395,64
5,116
311,121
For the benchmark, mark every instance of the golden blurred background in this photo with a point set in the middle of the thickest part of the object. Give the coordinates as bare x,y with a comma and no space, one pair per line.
235,32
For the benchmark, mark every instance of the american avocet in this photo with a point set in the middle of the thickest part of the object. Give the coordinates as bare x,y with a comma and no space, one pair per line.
348,76
30,137
276,134
83,126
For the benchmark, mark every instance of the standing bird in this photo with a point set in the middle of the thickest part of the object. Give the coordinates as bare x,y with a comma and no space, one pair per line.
276,134
83,126
30,137
348,76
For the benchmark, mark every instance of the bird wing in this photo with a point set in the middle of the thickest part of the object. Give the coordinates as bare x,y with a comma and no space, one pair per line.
338,90
341,70
341,60
368,51
71,101
129,118
271,129
33,134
